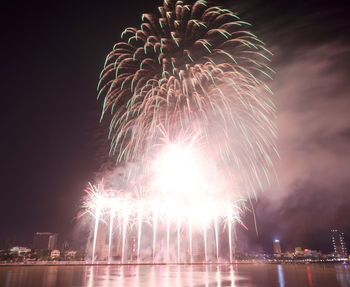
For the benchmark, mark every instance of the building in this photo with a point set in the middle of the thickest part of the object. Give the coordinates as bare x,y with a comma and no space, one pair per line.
55,254
131,250
298,249
20,250
102,237
277,247
338,243
306,253
70,254
198,248
45,241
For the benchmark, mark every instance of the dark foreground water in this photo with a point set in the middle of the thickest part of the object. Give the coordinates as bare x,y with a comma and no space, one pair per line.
249,275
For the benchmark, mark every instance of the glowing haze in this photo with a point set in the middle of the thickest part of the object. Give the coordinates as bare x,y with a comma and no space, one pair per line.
193,123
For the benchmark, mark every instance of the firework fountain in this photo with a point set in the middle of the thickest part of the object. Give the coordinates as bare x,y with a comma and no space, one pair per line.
190,108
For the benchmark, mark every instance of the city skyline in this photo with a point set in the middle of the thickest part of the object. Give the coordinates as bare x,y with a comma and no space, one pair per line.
337,245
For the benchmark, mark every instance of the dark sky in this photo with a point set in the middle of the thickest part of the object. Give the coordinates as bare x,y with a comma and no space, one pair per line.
52,143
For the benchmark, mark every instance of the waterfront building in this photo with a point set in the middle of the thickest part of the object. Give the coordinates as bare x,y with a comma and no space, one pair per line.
132,248
45,241
20,250
338,243
298,249
55,254
306,253
198,248
102,238
70,253
277,247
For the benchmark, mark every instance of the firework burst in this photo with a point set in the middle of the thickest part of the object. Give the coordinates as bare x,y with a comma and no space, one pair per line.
192,68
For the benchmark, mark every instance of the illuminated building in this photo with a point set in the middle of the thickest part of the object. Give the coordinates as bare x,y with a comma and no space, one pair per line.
55,253
197,249
338,242
20,250
45,241
277,247
132,247
298,249
306,253
102,243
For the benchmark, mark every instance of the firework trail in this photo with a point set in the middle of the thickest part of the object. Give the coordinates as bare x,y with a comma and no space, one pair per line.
193,68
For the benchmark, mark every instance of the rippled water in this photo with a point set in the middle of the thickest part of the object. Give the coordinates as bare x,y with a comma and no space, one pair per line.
249,275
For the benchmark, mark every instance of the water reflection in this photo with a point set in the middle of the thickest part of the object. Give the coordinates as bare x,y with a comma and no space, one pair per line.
309,278
210,275
50,276
346,267
8,279
343,275
191,276
280,275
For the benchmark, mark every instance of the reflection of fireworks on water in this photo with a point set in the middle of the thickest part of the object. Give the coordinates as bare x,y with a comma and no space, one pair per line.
189,104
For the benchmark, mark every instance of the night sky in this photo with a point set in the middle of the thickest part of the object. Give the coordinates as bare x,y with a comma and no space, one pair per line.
52,143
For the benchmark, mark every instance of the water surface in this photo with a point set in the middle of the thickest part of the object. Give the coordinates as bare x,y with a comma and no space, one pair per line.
250,275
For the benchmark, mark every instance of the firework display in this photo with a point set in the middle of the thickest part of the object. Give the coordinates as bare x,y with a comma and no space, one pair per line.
172,221
188,101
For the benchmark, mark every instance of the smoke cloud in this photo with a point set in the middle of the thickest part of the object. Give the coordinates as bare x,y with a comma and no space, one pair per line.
312,93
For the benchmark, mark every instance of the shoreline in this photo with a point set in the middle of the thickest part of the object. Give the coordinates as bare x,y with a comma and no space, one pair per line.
103,263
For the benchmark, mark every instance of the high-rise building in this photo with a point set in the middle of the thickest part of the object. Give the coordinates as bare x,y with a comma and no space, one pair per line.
132,248
198,248
277,247
338,242
102,238
45,241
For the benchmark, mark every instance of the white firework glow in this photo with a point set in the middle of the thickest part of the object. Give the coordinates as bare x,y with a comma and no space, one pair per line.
184,198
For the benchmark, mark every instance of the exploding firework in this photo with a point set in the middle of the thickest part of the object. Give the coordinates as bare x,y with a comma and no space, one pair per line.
192,69
189,104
